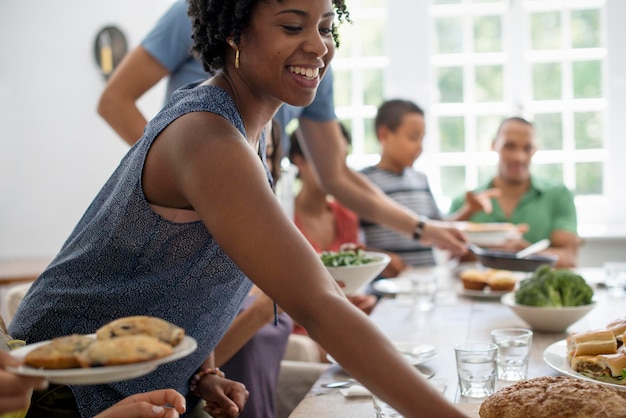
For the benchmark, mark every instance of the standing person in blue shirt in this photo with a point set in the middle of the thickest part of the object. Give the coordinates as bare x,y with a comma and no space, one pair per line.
516,196
165,52
400,128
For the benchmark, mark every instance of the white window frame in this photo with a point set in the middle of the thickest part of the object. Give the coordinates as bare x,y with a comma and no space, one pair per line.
410,75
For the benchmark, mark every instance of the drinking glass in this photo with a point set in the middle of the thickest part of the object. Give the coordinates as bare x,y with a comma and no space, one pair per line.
476,368
615,278
423,291
513,352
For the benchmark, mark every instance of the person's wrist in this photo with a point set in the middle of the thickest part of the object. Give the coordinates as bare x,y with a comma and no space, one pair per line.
194,383
419,229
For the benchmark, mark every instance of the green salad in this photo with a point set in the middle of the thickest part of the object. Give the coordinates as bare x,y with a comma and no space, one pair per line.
554,287
352,257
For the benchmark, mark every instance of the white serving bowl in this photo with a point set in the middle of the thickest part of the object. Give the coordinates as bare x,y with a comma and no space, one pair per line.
351,278
547,319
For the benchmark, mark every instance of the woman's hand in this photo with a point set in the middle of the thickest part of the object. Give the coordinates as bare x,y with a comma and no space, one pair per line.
15,391
224,398
148,405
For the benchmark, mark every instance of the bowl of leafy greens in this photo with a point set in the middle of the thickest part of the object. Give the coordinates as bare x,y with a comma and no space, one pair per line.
551,300
352,268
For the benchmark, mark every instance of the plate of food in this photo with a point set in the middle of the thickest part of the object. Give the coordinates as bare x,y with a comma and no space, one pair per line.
123,349
556,356
486,283
490,233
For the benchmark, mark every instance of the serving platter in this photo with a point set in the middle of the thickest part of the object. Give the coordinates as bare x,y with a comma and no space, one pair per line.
555,356
98,375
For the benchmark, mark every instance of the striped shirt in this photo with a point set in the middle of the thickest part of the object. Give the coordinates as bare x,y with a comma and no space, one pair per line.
410,189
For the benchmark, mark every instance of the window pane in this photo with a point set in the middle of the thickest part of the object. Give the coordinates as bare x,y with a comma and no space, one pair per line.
588,178
545,29
452,181
372,4
486,173
588,130
373,87
586,28
450,83
342,87
547,81
372,146
451,134
372,38
346,36
587,79
552,172
549,131
489,83
488,34
447,1
449,35
486,128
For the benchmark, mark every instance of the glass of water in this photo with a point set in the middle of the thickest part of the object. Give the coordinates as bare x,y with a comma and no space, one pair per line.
476,368
513,352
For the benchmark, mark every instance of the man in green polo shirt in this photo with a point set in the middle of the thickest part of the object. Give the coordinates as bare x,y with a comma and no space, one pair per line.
515,196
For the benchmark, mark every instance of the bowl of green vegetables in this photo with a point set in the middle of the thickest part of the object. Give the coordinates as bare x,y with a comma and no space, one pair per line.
551,300
353,268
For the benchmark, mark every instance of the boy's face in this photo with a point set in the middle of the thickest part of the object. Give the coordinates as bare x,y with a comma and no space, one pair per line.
404,145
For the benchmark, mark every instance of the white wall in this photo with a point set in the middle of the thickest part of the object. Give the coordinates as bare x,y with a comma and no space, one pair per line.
55,151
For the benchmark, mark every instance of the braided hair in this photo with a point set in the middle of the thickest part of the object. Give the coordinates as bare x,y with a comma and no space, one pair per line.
213,21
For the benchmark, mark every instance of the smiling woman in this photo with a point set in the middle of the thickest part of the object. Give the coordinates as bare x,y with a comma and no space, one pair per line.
200,154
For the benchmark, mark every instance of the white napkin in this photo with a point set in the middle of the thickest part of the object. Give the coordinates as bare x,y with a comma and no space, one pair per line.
359,391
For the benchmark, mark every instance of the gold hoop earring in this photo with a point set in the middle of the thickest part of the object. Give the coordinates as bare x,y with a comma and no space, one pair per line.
237,59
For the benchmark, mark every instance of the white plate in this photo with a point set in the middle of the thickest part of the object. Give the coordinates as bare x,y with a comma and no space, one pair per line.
99,375
414,353
395,286
488,234
486,293
555,356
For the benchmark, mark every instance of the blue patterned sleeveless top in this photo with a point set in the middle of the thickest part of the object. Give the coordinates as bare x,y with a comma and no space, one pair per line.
123,259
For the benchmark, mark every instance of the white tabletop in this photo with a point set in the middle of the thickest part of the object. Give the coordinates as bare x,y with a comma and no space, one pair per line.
455,319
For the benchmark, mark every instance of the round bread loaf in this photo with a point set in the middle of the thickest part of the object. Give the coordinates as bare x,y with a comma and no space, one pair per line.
144,325
554,396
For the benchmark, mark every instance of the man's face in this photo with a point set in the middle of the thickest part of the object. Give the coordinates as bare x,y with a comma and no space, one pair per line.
515,146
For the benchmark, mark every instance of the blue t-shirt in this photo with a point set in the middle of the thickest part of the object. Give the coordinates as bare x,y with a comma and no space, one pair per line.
170,43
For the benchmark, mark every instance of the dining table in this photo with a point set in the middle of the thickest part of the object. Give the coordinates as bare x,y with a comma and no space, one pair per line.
458,316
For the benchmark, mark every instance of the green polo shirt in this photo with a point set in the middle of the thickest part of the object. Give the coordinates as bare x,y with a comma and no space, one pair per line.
545,207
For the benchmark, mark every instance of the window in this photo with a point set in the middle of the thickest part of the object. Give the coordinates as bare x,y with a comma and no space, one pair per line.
470,63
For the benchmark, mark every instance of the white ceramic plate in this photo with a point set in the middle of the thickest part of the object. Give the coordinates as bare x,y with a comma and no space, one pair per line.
555,356
486,293
396,286
414,353
488,234
99,375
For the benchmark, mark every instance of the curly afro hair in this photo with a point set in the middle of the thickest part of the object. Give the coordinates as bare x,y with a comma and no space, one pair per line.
213,21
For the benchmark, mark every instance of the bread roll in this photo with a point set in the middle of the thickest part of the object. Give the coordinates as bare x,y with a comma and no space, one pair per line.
591,343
